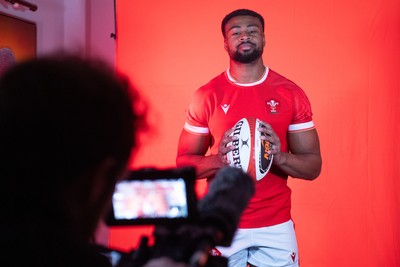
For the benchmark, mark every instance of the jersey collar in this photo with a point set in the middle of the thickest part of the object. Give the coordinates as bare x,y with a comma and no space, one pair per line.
261,80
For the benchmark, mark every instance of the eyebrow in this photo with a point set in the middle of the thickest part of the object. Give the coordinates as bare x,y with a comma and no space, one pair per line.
247,26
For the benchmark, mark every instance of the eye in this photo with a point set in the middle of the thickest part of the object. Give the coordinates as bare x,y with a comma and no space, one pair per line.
253,30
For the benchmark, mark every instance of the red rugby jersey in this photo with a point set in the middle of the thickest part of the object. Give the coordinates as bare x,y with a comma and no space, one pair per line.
218,105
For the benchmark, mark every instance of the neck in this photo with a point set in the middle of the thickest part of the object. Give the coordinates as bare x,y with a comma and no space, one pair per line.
247,73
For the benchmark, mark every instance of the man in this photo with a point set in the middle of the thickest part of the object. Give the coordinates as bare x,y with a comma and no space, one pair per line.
248,88
67,127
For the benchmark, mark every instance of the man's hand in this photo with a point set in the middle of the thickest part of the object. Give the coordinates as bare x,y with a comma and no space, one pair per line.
223,147
271,137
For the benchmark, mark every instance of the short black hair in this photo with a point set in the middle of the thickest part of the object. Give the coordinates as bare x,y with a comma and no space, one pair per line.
241,12
59,118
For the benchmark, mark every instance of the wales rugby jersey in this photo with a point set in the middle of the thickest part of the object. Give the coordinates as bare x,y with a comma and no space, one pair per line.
218,105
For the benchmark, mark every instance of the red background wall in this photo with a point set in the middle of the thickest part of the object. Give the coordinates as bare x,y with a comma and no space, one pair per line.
346,56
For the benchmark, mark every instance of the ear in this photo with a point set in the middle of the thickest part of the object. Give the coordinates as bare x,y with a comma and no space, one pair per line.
225,44
103,178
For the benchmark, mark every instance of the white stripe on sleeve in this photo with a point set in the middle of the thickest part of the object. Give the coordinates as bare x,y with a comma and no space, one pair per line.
195,129
301,126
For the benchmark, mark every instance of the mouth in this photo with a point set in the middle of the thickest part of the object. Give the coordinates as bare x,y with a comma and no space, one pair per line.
246,46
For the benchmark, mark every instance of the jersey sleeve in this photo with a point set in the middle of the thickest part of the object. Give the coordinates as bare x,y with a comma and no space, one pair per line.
196,114
302,118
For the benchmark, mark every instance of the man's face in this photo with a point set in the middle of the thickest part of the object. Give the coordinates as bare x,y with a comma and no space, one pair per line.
244,39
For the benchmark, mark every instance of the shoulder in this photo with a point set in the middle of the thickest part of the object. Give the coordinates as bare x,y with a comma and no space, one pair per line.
215,82
285,85
212,87
278,79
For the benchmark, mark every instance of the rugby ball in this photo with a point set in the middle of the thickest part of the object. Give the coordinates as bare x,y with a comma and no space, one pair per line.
250,153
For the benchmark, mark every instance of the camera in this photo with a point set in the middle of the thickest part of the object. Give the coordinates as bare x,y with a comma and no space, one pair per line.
186,228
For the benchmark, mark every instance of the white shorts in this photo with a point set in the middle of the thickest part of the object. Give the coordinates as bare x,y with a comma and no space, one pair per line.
263,247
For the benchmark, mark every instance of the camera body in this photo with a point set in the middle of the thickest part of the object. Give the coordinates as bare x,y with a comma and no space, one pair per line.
164,198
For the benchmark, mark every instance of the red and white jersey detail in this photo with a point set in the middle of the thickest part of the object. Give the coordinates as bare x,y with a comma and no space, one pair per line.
301,127
197,130
218,105
261,80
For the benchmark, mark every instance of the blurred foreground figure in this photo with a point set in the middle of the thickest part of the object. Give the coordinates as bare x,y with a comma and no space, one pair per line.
67,127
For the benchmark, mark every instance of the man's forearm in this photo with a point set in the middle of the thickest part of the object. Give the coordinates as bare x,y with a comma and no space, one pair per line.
303,166
206,166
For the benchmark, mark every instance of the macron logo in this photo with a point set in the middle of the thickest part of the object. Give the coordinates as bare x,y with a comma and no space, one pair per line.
225,108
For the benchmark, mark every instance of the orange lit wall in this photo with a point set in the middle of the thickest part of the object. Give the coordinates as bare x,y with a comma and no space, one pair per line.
346,56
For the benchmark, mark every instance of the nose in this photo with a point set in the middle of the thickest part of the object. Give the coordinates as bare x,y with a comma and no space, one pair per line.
244,36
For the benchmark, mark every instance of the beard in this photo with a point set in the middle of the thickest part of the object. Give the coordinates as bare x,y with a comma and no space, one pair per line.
246,57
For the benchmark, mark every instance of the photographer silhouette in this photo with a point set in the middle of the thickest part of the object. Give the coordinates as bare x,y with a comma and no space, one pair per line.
67,126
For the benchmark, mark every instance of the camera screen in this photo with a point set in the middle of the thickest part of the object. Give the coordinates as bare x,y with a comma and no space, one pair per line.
161,198
154,196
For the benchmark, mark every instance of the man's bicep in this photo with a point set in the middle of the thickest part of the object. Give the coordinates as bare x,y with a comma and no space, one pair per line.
193,144
306,142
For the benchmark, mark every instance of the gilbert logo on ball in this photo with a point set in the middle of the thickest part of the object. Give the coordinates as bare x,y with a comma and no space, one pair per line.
250,152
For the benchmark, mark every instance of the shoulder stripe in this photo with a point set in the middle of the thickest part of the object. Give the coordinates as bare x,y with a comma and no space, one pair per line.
301,126
195,129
